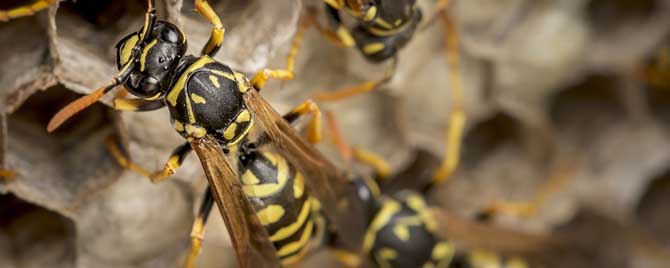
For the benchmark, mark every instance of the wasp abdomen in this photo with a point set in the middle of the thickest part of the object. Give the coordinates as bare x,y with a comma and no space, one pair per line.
282,203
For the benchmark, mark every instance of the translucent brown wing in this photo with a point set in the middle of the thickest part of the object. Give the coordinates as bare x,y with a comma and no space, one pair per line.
249,237
323,179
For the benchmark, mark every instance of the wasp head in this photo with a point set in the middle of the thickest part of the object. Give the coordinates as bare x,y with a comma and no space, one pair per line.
154,59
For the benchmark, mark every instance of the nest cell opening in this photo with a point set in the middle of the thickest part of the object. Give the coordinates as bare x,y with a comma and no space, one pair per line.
489,135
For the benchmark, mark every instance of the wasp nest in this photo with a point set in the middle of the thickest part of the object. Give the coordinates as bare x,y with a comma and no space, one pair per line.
548,85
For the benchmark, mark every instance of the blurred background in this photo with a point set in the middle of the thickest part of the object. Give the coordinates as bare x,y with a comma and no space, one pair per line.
567,103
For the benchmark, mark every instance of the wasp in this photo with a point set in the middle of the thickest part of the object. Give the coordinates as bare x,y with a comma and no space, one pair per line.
215,109
25,10
382,29
402,230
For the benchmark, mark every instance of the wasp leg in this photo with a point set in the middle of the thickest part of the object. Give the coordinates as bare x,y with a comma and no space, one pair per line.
347,258
525,209
7,175
381,167
457,118
25,10
176,159
438,10
198,230
218,32
336,137
314,127
357,89
341,37
137,105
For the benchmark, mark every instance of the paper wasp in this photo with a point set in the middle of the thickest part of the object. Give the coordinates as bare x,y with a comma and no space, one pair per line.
382,28
401,229
215,108
25,10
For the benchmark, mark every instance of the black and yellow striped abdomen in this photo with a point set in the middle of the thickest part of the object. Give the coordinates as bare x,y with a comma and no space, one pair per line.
283,205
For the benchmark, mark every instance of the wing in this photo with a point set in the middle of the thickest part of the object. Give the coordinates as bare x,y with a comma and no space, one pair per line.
249,237
324,181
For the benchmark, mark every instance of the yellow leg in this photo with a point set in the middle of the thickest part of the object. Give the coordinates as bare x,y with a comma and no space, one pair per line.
438,10
171,166
25,10
347,258
216,37
457,118
340,38
557,181
198,229
382,168
7,175
314,127
357,89
336,137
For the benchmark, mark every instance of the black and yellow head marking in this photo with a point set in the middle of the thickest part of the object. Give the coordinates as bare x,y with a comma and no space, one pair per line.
155,58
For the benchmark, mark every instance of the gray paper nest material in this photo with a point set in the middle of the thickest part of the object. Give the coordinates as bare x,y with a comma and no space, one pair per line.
530,71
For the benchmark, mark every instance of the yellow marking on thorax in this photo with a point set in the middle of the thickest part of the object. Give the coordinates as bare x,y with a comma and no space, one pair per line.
243,84
215,81
195,131
297,245
401,228
298,185
269,189
443,251
127,49
244,116
334,3
384,257
181,82
179,126
270,214
198,99
417,203
289,230
230,131
189,110
373,48
226,75
381,219
145,52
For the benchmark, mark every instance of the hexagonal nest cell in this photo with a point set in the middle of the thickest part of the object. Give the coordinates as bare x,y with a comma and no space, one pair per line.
563,68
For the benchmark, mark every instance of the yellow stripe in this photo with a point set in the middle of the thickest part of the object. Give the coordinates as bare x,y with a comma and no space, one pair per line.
270,214
178,126
198,99
229,133
373,48
127,49
268,189
298,185
143,58
370,14
179,86
228,76
215,81
288,231
295,246
243,84
249,178
381,219
244,116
